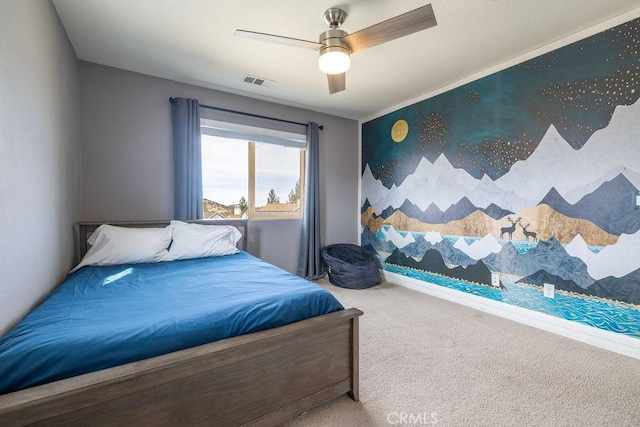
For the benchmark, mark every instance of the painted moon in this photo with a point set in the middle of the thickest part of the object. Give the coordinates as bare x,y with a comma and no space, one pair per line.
399,130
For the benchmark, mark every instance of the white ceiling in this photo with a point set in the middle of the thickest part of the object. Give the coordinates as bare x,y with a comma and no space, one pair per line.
193,41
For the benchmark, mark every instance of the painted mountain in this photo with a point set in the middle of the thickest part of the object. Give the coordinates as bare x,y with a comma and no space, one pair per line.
433,262
624,289
449,253
603,206
548,256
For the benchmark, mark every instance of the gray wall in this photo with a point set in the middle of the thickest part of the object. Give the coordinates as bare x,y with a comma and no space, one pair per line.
39,155
126,154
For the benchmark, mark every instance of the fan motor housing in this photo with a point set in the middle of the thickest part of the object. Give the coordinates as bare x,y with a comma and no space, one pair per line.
332,41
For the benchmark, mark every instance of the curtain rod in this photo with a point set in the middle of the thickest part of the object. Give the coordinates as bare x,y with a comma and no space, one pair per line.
226,110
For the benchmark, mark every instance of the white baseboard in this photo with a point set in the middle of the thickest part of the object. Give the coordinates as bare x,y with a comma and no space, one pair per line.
611,341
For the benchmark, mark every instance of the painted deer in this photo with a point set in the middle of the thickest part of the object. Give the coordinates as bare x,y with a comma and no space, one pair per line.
528,234
509,230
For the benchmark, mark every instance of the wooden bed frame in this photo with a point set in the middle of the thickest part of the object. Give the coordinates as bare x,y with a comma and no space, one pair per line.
263,378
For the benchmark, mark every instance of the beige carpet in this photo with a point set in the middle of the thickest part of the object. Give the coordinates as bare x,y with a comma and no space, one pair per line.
423,359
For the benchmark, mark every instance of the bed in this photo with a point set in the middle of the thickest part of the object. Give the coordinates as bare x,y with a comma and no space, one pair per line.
257,378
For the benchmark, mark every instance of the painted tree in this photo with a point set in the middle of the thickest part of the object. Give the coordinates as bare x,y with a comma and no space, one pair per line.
294,195
273,198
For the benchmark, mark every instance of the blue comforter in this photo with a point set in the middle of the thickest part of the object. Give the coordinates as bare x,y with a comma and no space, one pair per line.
107,316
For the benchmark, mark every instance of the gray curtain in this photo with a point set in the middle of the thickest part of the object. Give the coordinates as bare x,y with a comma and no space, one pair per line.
310,264
187,159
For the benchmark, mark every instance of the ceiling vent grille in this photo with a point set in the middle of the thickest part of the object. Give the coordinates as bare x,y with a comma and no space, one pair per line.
258,81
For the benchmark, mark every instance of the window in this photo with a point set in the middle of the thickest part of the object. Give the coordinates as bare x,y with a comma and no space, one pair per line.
257,178
277,180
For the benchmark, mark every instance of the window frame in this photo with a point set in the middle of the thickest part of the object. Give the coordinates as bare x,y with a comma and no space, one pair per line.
252,213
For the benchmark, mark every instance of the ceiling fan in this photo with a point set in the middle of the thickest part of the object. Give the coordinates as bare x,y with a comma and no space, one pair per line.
336,46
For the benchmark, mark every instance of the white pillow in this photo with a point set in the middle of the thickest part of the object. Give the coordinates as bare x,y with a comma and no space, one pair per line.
112,245
199,241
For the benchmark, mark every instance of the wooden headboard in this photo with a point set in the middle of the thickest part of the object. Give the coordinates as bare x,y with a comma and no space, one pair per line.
86,228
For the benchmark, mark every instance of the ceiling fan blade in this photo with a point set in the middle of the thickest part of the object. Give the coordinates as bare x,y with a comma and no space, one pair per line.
289,41
391,29
337,82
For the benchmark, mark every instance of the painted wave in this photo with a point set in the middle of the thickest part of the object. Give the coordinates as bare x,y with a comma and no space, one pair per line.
595,312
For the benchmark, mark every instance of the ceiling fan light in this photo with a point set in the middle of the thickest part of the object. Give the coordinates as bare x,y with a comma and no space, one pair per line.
334,60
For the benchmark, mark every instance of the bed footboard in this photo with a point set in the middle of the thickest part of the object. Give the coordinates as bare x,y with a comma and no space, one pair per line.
263,378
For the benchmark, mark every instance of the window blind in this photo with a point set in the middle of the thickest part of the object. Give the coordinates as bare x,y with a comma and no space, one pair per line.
237,126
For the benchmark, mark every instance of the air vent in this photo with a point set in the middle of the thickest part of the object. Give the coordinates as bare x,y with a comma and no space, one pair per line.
258,81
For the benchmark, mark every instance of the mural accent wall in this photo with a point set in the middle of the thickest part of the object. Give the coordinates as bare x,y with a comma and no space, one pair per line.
529,176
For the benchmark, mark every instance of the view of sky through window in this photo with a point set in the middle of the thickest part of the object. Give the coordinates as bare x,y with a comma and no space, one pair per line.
277,168
225,170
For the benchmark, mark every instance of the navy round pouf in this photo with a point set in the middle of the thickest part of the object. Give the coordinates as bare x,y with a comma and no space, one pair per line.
351,266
